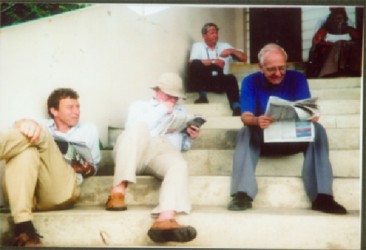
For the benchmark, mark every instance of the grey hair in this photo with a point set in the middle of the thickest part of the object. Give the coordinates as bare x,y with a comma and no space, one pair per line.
206,26
270,47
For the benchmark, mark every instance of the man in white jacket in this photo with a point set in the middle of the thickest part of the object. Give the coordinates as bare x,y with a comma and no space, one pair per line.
146,147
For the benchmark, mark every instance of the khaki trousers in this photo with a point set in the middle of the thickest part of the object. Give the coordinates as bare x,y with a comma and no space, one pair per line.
136,152
36,176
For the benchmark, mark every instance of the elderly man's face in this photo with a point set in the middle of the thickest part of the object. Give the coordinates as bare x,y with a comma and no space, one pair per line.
274,67
164,97
212,36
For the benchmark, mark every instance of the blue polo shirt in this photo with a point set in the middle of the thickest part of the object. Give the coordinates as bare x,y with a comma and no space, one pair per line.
255,90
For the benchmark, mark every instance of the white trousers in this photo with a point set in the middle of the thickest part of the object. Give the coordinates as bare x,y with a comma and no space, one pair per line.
136,152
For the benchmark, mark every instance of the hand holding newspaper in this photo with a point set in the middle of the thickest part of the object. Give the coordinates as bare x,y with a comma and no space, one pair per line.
74,151
179,123
292,120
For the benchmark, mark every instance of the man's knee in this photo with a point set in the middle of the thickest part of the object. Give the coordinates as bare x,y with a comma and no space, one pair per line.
135,134
137,127
134,130
195,64
27,158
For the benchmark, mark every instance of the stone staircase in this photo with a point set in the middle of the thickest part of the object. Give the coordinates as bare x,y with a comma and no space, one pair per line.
281,217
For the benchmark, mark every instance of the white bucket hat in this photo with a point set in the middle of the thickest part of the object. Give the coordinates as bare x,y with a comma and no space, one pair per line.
171,84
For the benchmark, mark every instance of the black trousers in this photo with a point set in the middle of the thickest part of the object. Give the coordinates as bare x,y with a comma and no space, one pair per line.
202,78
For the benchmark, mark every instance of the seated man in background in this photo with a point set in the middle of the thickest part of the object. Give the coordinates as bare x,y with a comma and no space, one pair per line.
274,80
209,67
336,48
149,146
37,176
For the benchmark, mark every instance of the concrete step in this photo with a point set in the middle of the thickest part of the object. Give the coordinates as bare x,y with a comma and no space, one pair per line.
327,107
280,192
202,162
335,83
228,125
339,139
217,138
328,121
352,93
258,228
337,94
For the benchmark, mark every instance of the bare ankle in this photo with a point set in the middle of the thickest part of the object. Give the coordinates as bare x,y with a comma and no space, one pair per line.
166,215
120,188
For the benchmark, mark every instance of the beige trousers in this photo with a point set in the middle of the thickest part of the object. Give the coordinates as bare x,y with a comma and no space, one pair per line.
36,176
136,152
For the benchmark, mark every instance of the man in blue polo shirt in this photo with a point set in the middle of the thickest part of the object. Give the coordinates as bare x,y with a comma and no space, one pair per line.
275,80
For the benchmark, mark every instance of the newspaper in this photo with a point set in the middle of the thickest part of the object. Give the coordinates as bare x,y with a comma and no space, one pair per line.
292,120
74,151
179,123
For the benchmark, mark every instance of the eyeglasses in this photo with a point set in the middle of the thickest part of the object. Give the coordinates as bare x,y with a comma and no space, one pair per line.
272,70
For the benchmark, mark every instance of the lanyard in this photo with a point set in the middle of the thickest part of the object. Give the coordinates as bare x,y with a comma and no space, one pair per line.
208,54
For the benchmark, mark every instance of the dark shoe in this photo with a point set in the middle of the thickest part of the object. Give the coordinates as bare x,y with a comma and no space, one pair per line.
326,203
237,112
28,240
4,209
241,201
116,202
201,99
170,230
26,235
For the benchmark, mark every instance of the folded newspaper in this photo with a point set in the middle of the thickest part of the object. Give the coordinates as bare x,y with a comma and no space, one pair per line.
74,151
180,122
292,120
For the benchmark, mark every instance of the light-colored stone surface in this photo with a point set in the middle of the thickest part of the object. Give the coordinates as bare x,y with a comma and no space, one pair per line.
335,83
328,121
327,107
285,192
343,93
228,125
259,228
345,163
337,94
340,138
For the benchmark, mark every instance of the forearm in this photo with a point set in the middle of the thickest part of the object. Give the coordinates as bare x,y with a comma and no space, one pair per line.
249,119
205,62
263,121
239,55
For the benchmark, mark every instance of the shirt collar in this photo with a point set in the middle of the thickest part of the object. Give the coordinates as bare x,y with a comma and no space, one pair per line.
52,126
208,48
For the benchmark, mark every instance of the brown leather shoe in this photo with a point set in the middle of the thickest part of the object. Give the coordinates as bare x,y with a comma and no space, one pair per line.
28,240
116,202
170,230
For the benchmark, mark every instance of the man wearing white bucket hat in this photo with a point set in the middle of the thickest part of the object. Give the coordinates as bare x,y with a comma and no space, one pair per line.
147,147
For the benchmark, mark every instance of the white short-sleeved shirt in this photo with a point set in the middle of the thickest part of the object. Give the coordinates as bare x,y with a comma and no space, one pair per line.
201,51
